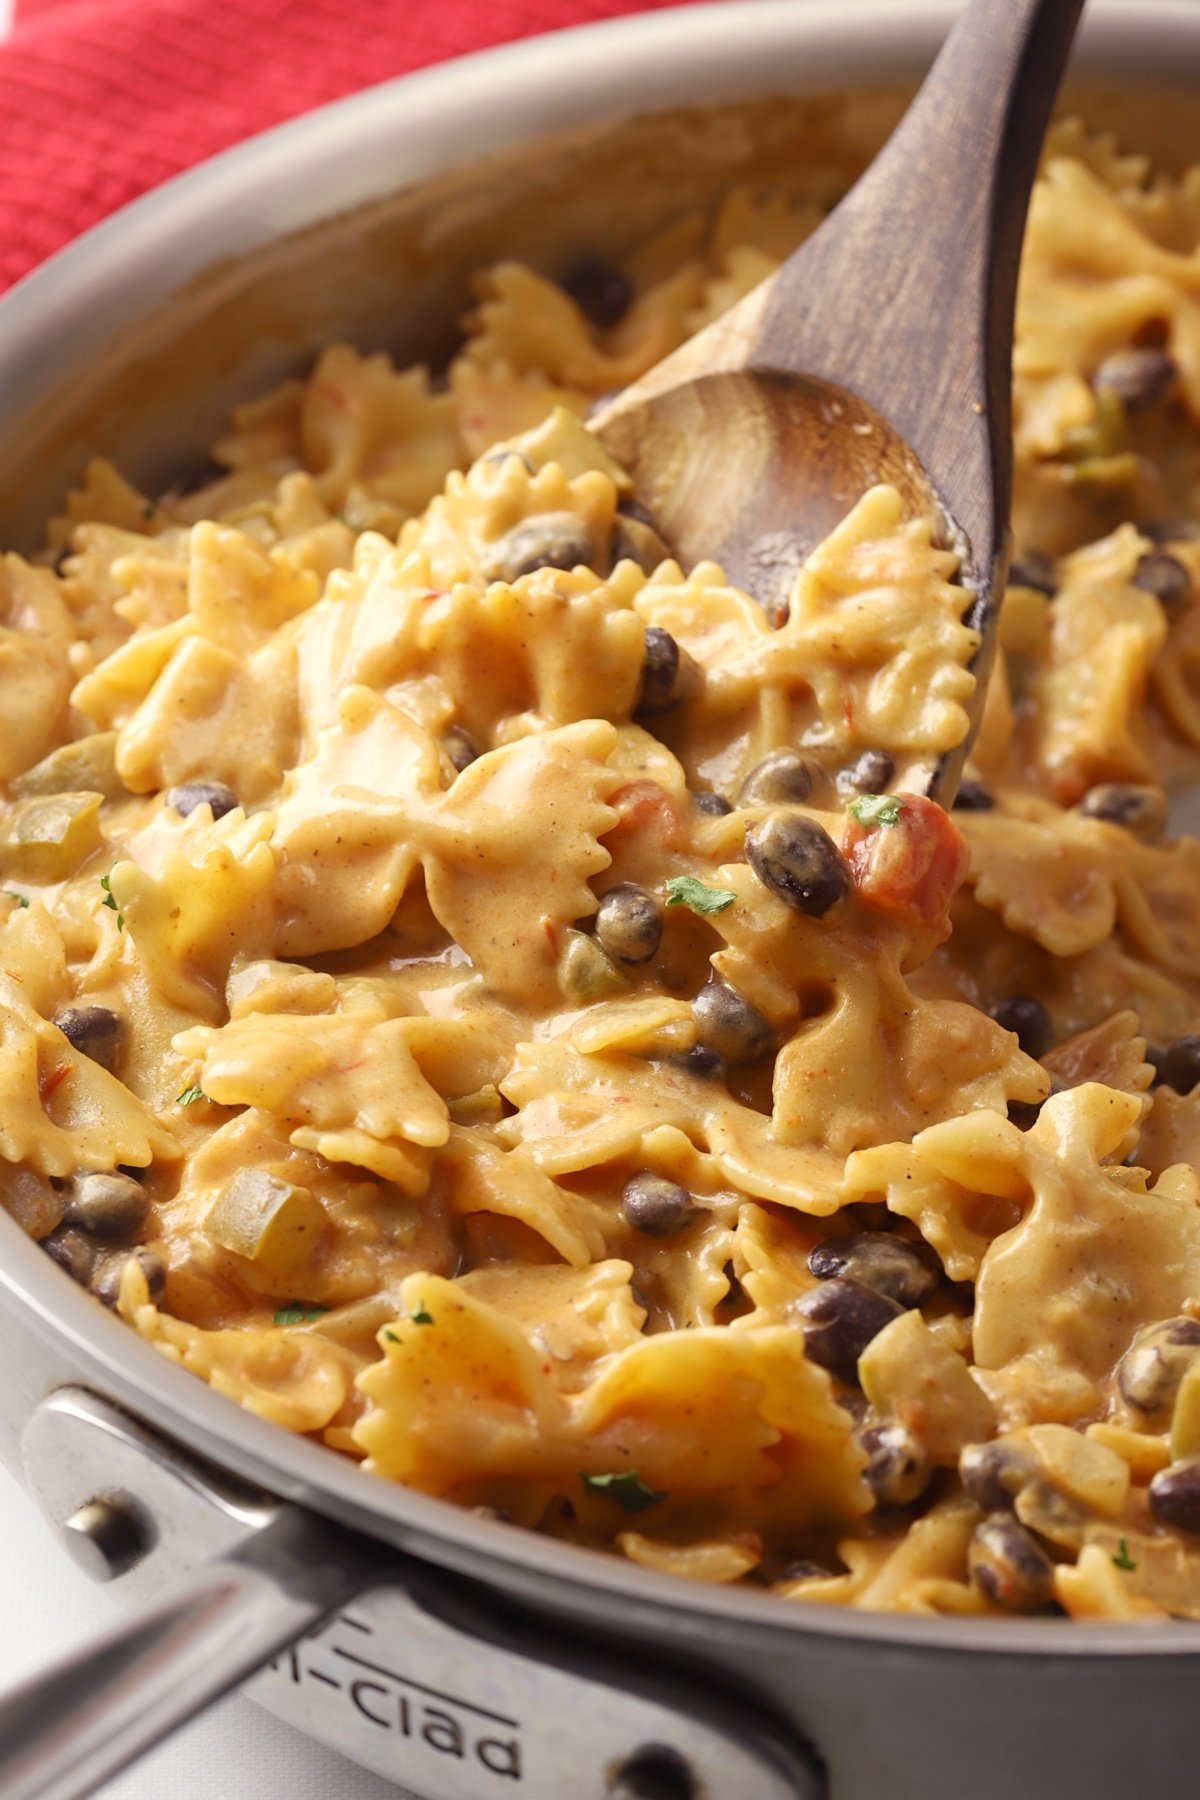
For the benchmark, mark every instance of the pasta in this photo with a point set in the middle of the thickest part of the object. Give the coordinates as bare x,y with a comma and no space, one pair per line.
469,992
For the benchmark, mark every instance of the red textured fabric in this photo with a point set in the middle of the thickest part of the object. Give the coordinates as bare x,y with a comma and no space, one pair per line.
102,99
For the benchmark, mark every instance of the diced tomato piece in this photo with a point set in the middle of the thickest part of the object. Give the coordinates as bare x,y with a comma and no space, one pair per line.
646,811
914,866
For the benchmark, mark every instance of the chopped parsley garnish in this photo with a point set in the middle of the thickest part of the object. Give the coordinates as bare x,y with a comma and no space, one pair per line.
298,1314
1123,1560
685,890
149,509
391,1338
876,809
20,899
420,1316
627,1489
195,1092
110,901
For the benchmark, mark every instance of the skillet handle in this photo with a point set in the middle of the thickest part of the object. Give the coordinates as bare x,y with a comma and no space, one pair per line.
67,1731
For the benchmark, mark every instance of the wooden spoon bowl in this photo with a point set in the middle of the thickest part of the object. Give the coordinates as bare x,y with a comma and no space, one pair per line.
880,351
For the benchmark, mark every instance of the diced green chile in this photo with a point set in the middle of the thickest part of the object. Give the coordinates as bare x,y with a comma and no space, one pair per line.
880,1260
106,1206
94,1031
655,1205
729,1024
798,860
841,1317
781,779
629,923
586,971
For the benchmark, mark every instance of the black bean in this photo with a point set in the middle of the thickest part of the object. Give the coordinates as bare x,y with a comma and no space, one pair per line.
652,1204
460,747
1181,1067
94,1031
898,1470
781,779
1172,531
191,794
879,1260
1009,1566
1140,377
840,1319
713,806
629,923
973,795
1034,569
1151,1370
1137,807
729,1025
1029,1019
1165,577
667,672
629,508
556,540
106,1281
106,1206
993,1474
701,1062
1175,1495
870,774
798,860
502,456
73,1253
602,294
804,1569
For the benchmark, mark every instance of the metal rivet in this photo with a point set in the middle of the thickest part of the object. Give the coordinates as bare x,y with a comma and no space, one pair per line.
653,1774
105,1538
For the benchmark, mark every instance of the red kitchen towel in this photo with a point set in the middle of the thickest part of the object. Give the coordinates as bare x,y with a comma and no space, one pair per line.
102,99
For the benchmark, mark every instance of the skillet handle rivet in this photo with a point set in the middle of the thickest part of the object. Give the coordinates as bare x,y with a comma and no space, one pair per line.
652,1773
105,1538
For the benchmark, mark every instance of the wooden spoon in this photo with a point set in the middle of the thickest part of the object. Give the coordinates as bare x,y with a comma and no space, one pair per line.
880,352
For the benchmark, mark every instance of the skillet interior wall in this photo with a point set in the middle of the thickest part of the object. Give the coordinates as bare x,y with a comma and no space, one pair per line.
395,275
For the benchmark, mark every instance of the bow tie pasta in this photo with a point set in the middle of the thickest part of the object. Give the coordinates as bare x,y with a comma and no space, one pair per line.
483,995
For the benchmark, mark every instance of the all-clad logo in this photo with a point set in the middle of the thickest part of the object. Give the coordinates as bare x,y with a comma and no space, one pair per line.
445,1724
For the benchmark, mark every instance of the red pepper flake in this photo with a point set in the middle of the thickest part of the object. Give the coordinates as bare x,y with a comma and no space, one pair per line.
48,1083
334,395
551,930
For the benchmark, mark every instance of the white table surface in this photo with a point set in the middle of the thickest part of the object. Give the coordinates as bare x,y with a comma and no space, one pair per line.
237,1752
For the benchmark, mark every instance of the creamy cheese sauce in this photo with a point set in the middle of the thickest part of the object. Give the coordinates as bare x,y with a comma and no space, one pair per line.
470,992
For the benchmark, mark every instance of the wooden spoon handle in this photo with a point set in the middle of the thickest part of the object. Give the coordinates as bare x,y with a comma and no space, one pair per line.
906,295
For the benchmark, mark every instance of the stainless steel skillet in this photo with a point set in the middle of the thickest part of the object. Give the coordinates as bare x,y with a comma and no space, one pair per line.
477,1659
